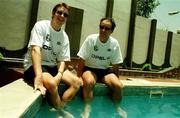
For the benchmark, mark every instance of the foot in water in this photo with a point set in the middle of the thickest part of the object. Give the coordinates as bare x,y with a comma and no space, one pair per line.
64,114
121,112
86,111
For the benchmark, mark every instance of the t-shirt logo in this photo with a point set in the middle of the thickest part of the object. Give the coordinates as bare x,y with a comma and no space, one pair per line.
109,49
95,48
46,44
58,43
48,37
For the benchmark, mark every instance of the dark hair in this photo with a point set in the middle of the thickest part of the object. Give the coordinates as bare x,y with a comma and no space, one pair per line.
113,25
60,5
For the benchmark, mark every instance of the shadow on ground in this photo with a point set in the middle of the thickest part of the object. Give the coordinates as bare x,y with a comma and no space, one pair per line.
9,75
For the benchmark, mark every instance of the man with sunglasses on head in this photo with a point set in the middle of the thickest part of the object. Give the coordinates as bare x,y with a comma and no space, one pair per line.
44,63
97,54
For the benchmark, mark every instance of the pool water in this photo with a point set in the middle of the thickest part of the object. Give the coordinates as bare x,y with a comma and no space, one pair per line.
135,107
155,107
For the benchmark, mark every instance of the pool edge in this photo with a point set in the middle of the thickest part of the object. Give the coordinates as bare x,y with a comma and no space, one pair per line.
30,107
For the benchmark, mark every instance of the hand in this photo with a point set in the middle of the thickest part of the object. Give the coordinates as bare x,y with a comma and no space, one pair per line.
38,85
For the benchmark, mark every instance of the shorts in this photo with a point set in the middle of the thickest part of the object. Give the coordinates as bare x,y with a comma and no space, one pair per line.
100,73
29,73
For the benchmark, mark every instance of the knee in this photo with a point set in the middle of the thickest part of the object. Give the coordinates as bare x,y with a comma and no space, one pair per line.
88,83
51,86
118,86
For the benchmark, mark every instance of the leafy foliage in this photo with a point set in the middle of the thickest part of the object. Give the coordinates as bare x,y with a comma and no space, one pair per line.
147,67
1,56
146,7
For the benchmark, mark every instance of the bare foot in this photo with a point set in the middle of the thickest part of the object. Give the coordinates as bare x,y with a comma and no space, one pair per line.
121,112
64,114
78,82
86,111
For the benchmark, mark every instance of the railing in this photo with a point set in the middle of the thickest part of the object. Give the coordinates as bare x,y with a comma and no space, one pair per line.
7,59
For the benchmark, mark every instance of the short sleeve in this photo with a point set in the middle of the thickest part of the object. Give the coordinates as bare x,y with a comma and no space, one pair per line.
85,49
116,55
36,36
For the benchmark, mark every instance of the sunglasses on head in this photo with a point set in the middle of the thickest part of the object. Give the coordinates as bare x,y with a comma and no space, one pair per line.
104,27
64,14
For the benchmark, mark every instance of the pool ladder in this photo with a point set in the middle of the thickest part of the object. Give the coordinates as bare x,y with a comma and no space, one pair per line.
156,93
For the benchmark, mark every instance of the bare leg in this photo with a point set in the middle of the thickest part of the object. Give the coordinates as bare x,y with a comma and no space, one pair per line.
89,82
87,110
52,88
64,114
74,84
51,85
88,96
113,82
121,112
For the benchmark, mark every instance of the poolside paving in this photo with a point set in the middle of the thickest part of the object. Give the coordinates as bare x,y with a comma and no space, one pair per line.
150,82
16,98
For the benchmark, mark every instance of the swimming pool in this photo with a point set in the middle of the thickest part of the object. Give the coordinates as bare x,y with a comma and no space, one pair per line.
135,107
154,103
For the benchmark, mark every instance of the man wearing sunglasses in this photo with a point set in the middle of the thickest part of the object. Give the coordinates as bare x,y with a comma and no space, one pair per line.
97,54
44,63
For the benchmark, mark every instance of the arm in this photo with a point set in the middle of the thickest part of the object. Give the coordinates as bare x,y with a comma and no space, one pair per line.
81,64
61,66
36,61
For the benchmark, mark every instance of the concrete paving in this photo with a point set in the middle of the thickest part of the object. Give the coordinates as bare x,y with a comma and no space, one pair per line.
16,98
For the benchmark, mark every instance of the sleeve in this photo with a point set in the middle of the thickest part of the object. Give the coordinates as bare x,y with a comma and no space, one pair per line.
116,55
85,49
36,37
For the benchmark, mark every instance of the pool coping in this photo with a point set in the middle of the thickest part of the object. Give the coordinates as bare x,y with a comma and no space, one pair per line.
18,99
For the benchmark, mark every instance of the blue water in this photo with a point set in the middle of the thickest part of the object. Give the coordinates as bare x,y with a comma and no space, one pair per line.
135,106
157,107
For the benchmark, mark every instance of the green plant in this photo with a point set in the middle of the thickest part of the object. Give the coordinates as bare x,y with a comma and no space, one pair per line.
147,67
1,56
146,7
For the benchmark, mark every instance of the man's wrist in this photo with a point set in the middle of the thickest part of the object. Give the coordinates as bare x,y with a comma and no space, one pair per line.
60,72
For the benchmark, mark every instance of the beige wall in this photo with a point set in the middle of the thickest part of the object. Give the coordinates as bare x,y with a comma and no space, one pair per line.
175,51
121,14
14,19
160,47
141,39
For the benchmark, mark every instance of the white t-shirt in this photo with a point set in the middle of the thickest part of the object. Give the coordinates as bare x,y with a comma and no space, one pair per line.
100,55
54,44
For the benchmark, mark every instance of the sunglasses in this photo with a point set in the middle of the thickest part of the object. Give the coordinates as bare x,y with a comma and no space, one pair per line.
64,14
104,27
